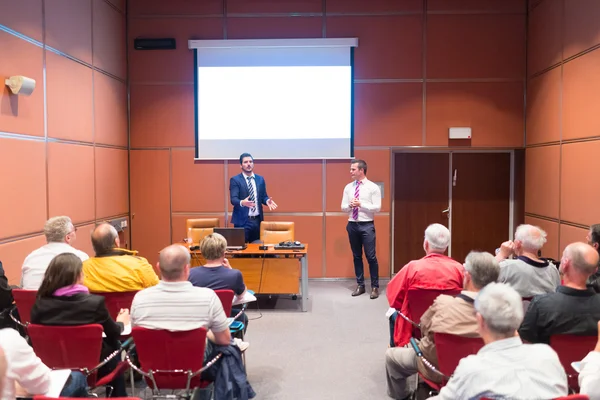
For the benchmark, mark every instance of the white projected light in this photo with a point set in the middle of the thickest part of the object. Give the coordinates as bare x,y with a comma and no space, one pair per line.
275,99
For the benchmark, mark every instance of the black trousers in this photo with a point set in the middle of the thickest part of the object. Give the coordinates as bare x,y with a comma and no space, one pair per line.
362,235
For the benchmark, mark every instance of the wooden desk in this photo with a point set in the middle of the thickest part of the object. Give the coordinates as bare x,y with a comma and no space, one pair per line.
269,271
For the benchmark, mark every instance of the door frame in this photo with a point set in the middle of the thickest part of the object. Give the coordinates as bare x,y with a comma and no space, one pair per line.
511,200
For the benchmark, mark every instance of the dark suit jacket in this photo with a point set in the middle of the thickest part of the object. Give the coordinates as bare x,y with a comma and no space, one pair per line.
79,309
238,191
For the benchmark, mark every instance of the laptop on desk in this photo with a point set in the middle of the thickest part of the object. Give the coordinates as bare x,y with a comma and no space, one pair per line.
236,237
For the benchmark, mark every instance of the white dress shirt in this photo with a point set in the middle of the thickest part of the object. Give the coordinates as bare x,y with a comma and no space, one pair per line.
589,377
36,263
251,213
23,366
508,369
370,200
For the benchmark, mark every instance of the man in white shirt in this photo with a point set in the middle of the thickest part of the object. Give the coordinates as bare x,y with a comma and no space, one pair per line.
60,237
361,200
505,368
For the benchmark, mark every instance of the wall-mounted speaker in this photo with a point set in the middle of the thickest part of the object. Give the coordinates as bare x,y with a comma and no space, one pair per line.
154,44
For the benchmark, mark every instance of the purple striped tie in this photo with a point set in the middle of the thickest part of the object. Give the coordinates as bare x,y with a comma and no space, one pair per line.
356,193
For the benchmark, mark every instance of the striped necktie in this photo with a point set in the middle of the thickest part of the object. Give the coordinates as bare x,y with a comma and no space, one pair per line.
356,194
251,192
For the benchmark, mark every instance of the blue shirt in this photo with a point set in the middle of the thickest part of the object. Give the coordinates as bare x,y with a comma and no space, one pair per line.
216,278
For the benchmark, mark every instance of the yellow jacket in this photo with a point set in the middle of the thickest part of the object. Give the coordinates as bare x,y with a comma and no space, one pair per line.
120,271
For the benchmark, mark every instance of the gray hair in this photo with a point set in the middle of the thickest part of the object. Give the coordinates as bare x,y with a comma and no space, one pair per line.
501,307
483,268
56,228
532,237
172,261
103,238
438,237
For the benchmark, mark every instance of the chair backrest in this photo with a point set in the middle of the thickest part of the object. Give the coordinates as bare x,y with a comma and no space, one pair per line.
574,397
201,227
419,300
451,349
25,299
572,348
76,346
226,297
116,300
272,232
167,351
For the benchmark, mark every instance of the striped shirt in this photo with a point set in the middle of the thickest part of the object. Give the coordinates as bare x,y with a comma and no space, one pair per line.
178,306
370,200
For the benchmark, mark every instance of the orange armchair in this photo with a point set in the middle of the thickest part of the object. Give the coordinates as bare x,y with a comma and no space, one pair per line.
272,232
201,227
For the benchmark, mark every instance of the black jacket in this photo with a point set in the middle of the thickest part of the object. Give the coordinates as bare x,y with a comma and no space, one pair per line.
6,298
79,309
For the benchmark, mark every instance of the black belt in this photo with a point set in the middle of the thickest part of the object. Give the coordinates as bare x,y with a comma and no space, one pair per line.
253,216
360,222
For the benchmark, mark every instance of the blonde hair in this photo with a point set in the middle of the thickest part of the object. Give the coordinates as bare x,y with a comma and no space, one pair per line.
213,246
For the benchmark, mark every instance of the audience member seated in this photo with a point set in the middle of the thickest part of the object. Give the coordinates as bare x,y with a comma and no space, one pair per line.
505,368
22,367
527,273
574,308
60,237
593,239
6,300
589,377
434,271
453,315
176,305
217,273
114,269
63,300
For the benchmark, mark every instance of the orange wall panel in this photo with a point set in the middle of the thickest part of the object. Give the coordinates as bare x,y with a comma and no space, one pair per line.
172,65
373,6
581,26
307,230
23,182
68,27
458,46
175,7
274,27
178,224
551,247
388,114
69,99
571,234
544,39
581,96
83,241
71,181
162,115
339,256
493,110
19,114
197,186
543,107
296,186
108,39
336,178
508,6
110,111
24,16
112,191
388,46
14,253
541,180
579,188
150,202
273,6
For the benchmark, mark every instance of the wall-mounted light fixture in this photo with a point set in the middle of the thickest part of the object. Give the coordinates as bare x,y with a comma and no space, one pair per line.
20,85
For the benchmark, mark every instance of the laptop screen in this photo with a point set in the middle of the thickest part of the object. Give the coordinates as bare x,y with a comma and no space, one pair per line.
235,236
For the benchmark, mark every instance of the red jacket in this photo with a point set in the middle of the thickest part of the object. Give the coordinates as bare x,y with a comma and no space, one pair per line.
434,271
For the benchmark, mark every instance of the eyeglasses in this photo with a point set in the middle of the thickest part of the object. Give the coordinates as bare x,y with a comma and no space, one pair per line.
73,231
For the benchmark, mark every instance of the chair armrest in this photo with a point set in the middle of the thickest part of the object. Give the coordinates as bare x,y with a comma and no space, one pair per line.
15,320
409,320
426,362
112,355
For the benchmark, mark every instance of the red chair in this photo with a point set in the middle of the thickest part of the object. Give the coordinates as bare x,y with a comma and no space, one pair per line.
572,348
171,360
74,347
419,300
115,301
24,299
226,297
40,397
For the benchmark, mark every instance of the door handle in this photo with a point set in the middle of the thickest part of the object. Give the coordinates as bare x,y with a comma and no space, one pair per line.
447,210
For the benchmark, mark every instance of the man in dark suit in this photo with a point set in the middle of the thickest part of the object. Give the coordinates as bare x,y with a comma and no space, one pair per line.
248,193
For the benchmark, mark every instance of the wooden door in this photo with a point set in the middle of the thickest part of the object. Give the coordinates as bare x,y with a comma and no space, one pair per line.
421,185
480,202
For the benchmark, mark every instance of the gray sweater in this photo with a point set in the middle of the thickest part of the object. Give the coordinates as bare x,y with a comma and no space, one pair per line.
529,277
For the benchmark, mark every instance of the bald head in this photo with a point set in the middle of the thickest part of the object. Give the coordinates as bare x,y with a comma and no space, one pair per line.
173,261
582,257
104,239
